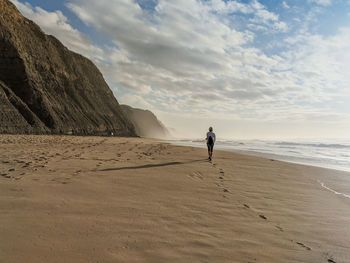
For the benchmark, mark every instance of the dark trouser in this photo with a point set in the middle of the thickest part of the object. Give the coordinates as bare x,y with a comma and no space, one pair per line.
210,147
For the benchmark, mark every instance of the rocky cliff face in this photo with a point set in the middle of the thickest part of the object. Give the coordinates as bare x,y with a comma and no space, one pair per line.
16,116
45,88
146,123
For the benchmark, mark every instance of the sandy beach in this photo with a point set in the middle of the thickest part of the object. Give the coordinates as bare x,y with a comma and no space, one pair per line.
96,199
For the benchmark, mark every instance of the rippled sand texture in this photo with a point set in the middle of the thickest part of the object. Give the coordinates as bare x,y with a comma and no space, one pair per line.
93,199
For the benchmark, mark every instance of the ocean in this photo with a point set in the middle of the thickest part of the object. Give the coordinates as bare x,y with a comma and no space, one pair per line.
333,154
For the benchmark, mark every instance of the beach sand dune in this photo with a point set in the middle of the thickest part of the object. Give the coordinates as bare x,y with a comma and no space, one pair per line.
96,199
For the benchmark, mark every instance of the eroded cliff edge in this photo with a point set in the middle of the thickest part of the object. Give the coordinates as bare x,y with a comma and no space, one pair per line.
46,88
146,123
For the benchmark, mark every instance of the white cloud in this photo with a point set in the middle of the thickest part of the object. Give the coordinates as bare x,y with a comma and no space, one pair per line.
269,19
281,26
187,57
285,5
231,7
55,23
184,43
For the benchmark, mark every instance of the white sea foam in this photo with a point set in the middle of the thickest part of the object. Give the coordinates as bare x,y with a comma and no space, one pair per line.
333,191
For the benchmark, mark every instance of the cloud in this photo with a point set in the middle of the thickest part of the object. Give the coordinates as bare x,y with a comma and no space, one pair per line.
285,5
189,58
183,45
55,23
261,16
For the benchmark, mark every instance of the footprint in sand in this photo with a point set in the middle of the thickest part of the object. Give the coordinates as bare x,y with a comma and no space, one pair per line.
263,217
5,176
196,175
302,245
26,165
280,228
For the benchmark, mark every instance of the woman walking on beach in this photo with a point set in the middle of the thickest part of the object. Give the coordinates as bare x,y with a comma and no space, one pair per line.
211,138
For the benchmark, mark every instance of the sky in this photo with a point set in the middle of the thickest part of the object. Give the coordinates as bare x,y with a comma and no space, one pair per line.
251,69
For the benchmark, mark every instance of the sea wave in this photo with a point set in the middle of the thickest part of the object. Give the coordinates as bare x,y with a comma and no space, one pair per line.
320,145
328,153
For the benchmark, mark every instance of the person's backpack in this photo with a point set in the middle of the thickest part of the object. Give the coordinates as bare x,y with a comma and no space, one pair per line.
210,140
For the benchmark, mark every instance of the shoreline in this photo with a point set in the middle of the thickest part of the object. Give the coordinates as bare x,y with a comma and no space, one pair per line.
275,157
280,157
109,199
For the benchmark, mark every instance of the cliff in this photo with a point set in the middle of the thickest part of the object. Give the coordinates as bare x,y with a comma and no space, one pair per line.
146,123
46,88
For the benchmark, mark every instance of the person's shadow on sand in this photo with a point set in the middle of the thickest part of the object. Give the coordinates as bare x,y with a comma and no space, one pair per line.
151,165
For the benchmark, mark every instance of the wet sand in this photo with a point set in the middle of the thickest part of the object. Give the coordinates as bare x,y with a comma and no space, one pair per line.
95,199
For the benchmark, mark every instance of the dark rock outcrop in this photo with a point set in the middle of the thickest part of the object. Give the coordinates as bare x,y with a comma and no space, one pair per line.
146,123
48,89
16,116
